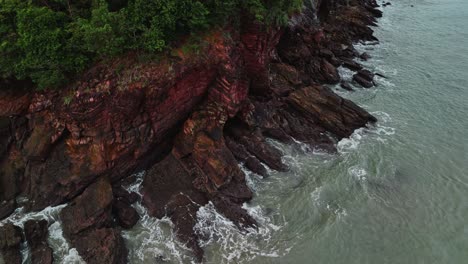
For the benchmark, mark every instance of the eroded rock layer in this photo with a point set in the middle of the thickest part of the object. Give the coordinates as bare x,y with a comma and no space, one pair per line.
189,120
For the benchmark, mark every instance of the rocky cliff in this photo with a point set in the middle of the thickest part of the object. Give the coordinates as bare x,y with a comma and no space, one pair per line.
188,119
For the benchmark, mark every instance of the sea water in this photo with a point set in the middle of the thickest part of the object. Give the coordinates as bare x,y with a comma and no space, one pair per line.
396,192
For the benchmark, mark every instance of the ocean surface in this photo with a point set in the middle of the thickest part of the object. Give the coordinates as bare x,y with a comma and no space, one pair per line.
394,193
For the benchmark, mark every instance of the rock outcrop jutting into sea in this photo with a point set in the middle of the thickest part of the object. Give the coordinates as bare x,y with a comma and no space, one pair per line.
189,120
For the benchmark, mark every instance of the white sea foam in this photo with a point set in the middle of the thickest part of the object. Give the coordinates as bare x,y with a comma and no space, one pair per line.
379,131
233,245
357,172
152,239
349,144
63,254
315,195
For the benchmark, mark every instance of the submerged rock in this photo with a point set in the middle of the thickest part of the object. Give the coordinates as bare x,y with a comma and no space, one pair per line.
346,86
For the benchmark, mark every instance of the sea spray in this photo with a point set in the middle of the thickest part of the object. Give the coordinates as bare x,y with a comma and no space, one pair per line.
153,239
63,254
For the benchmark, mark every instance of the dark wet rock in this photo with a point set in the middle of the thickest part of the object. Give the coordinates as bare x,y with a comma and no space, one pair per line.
381,75
7,208
11,238
366,74
329,73
5,136
365,56
346,86
92,209
102,246
125,214
120,193
11,172
263,151
232,211
288,72
359,79
88,225
238,150
255,166
352,65
183,213
168,190
36,233
338,115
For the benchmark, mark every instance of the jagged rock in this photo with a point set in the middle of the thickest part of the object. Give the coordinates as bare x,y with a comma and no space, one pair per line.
102,246
263,151
366,74
5,136
346,86
126,215
87,224
365,56
238,150
326,53
92,209
129,197
352,65
11,238
362,81
364,78
255,166
168,190
36,233
338,115
7,208
288,72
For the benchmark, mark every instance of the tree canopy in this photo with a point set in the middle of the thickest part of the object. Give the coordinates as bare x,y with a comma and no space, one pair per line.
50,41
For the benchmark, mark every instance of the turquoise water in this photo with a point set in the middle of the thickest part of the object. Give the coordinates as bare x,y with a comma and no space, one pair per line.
395,193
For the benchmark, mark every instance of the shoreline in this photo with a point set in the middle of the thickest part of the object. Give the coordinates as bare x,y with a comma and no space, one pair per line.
82,152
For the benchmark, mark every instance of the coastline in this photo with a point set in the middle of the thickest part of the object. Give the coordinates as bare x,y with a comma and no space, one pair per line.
230,118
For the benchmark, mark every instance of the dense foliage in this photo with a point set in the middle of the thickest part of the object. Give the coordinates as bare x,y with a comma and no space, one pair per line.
50,41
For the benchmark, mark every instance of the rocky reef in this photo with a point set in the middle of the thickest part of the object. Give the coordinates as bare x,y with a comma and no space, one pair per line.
188,119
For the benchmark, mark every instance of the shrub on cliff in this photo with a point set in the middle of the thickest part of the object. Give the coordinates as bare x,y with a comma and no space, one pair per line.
50,41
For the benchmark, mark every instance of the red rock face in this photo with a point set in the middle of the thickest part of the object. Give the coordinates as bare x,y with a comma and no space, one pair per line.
197,115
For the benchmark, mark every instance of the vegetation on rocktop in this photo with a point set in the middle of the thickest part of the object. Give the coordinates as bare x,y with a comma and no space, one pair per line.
50,41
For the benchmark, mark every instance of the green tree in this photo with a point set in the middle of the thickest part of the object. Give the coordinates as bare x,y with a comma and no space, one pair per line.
51,41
